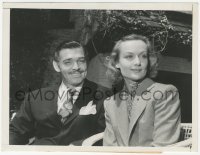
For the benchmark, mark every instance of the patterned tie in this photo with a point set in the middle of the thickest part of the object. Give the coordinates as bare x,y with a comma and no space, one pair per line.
134,87
67,106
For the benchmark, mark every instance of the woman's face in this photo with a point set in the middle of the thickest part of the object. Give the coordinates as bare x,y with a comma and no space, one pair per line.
133,59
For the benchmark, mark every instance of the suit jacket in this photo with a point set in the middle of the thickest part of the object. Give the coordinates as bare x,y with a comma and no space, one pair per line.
38,117
155,119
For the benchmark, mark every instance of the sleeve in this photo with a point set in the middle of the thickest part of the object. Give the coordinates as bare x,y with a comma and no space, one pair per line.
106,92
21,127
109,138
101,120
167,118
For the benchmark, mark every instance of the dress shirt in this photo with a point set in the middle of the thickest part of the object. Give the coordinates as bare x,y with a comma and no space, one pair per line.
63,95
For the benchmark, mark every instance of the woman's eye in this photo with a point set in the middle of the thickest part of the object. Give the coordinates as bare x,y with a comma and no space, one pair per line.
129,57
144,56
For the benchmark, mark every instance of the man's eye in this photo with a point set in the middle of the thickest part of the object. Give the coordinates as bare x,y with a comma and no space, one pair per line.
82,60
67,62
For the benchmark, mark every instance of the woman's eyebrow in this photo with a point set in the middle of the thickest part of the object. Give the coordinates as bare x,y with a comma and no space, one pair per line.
143,52
135,53
129,53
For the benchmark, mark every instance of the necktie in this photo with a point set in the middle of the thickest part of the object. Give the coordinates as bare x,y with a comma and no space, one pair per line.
134,87
67,106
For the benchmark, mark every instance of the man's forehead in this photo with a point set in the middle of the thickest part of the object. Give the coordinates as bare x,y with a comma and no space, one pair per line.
71,53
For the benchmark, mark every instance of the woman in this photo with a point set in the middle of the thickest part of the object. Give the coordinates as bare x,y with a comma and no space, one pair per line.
144,113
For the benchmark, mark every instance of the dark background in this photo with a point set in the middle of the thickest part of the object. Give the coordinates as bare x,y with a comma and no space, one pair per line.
33,35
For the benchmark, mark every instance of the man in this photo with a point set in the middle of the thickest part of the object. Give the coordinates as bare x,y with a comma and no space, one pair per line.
65,114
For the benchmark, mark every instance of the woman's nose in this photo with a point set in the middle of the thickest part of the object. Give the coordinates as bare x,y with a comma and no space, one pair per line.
137,61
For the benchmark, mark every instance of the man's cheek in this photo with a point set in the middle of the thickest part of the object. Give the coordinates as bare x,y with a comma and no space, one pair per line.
84,68
66,74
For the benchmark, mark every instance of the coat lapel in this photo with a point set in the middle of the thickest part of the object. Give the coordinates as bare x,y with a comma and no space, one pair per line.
138,109
139,103
54,117
122,118
85,95
75,112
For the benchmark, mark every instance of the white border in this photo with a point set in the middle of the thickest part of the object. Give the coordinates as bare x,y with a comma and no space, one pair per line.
5,72
102,1
114,6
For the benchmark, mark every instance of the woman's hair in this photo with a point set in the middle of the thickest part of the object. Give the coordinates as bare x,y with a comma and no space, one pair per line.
115,74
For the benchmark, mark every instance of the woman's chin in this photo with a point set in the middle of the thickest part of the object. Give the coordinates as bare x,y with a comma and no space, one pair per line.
137,77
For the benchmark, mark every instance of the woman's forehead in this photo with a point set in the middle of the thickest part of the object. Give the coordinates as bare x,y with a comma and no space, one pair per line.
133,46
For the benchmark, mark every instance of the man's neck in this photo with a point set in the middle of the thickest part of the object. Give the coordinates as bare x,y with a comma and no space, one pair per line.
72,86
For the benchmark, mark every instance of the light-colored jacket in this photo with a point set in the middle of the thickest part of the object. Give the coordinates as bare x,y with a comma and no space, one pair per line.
155,119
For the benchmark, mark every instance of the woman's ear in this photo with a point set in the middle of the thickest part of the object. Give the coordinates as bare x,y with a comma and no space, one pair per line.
55,66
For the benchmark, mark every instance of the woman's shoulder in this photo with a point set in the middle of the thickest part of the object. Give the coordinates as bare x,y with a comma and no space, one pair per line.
110,101
163,87
163,91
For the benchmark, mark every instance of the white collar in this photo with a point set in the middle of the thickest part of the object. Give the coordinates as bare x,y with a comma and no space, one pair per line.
64,88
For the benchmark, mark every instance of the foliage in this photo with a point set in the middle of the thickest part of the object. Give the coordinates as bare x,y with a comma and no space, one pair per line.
153,24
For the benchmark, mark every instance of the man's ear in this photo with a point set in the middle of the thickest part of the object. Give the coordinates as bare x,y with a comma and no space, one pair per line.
55,66
117,65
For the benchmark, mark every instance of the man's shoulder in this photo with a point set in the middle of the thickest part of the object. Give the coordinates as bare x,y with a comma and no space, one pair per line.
43,89
99,92
94,85
40,93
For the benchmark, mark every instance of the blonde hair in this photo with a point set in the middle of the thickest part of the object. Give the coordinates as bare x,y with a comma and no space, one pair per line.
114,73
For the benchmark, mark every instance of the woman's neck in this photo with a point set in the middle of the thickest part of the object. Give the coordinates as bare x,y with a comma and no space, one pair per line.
131,85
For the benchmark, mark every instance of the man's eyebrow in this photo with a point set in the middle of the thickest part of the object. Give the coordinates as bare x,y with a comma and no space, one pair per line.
81,58
67,59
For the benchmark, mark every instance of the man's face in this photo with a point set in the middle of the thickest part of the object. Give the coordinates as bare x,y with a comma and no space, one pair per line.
72,65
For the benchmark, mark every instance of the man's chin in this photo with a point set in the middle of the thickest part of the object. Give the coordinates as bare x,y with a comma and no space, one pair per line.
77,82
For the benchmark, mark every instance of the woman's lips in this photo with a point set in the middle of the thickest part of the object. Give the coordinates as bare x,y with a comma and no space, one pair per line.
136,70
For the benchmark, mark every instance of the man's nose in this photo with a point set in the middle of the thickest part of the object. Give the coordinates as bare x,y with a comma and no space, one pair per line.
137,61
76,66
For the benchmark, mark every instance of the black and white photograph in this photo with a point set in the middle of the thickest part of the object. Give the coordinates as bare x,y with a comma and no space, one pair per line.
112,78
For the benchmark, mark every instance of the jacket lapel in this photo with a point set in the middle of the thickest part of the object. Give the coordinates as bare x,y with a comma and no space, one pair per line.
54,117
122,118
85,95
138,109
139,103
75,112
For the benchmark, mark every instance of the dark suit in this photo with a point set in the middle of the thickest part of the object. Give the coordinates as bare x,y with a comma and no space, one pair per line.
38,117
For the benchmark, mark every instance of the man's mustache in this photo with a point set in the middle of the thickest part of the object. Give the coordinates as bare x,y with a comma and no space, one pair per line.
77,72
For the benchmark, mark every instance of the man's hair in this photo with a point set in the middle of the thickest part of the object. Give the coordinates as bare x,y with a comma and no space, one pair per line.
67,45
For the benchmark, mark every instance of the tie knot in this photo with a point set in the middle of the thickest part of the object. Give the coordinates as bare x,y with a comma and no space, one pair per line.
71,91
134,87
